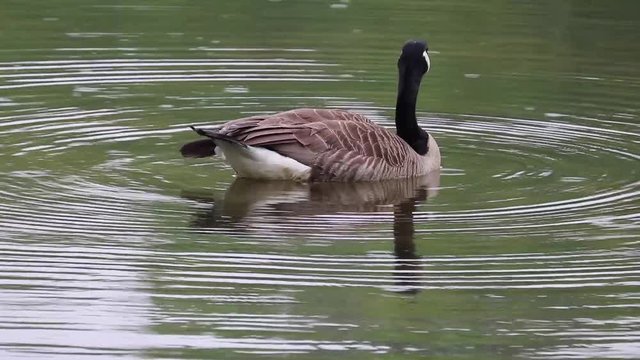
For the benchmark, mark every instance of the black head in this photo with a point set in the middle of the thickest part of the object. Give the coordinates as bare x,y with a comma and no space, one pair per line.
415,56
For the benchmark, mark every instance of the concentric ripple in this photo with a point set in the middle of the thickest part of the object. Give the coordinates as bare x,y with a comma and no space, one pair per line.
127,71
539,177
107,233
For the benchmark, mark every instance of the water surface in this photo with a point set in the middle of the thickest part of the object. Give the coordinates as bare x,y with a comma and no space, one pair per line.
524,245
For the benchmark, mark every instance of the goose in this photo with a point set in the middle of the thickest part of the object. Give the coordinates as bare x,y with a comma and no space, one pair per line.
311,145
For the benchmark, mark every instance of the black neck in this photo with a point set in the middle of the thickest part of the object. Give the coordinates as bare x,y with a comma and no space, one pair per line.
406,123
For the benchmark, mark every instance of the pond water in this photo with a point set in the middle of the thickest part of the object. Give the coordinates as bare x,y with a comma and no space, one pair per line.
526,244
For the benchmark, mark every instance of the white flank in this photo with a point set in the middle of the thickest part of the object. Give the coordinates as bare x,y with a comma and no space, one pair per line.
260,163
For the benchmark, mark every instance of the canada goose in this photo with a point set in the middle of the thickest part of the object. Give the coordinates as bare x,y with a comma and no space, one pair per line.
330,145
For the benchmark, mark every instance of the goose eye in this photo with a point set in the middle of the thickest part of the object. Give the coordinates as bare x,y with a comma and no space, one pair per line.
426,58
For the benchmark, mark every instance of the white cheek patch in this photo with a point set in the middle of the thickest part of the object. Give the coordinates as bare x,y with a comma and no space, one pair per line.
426,58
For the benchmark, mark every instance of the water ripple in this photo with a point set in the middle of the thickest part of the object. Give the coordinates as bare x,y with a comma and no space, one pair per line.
26,74
514,160
109,235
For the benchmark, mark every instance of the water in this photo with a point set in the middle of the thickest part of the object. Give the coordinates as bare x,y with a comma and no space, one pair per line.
525,245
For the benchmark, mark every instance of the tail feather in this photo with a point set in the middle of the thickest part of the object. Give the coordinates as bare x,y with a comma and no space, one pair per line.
214,135
199,148
206,147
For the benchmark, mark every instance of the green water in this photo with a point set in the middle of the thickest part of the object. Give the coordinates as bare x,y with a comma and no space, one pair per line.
525,245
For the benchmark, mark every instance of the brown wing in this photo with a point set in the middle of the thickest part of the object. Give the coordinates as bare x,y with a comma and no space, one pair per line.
336,144
274,129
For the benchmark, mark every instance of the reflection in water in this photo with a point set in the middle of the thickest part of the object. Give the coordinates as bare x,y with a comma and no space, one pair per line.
247,200
407,267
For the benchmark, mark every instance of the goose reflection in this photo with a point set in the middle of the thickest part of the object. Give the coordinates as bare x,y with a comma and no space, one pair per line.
249,202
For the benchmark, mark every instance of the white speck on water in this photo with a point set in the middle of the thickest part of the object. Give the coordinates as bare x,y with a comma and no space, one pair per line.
5,101
588,78
623,115
472,76
236,89
555,115
572,179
